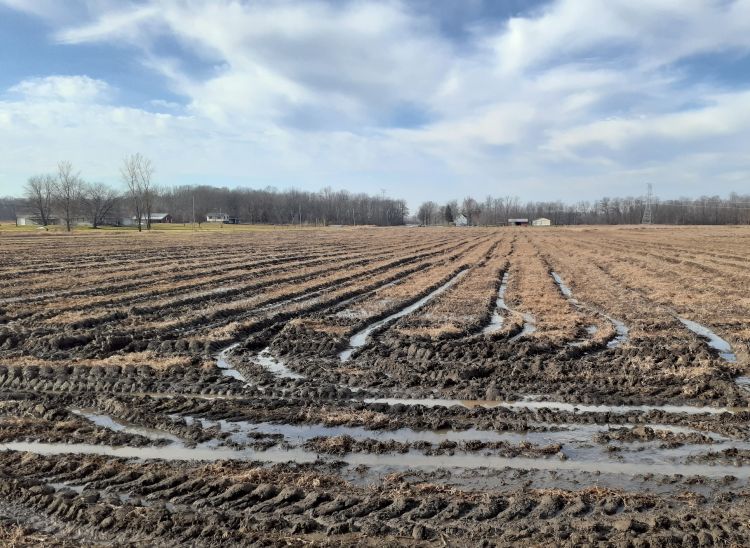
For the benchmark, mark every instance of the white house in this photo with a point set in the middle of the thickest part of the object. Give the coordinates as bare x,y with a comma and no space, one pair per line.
217,217
223,218
461,220
541,221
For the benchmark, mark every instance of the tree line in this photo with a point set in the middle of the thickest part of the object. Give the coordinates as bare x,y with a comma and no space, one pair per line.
496,211
66,198
327,207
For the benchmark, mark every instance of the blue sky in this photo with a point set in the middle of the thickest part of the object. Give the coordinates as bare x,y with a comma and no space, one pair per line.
563,99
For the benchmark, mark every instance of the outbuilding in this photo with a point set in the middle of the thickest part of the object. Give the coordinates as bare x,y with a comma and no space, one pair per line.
518,222
461,220
34,219
541,221
156,218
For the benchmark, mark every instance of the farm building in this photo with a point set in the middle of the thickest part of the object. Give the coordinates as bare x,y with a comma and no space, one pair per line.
156,218
461,220
222,218
32,219
518,222
541,221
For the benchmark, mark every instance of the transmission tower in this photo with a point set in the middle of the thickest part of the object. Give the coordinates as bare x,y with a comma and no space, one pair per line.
647,213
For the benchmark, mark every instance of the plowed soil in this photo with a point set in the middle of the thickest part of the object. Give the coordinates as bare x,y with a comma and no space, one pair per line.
341,386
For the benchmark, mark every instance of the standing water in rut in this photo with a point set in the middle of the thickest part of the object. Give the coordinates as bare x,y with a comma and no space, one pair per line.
496,322
359,339
714,341
226,368
620,328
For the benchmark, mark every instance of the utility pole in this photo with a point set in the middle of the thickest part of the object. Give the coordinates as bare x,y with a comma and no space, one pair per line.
193,211
648,216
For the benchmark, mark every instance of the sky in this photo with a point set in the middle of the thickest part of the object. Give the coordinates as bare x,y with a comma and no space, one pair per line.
545,100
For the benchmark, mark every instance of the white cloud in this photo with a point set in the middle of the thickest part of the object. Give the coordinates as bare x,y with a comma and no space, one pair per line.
317,91
121,24
63,88
726,115
653,33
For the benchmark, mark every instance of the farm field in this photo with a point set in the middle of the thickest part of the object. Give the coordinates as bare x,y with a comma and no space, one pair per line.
415,386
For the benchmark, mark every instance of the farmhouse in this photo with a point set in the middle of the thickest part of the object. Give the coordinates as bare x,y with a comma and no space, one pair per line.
541,221
461,220
518,222
222,218
216,217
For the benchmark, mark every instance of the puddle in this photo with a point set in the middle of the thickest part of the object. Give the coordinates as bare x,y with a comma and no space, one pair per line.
621,330
496,322
116,425
267,360
222,363
173,453
359,339
714,341
406,461
564,289
559,406
545,434
241,431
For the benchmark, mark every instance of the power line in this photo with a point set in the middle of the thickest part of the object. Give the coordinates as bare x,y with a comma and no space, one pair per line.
647,213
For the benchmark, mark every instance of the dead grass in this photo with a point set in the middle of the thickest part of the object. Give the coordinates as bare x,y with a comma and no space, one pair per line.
146,358
466,306
15,536
168,283
649,277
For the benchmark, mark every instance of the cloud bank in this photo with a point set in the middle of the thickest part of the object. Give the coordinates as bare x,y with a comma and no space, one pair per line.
570,99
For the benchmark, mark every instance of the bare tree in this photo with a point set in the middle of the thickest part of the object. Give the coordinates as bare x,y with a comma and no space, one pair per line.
448,214
427,213
137,173
98,201
39,190
471,209
68,193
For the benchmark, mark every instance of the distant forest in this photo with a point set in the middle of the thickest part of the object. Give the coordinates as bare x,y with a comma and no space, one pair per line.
706,210
66,195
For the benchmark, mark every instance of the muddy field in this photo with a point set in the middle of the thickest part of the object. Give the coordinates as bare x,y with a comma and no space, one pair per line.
459,387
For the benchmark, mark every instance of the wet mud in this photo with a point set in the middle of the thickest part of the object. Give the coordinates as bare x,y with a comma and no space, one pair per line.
302,397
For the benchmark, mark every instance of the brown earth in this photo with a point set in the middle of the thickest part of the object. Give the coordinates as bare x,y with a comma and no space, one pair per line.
127,328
